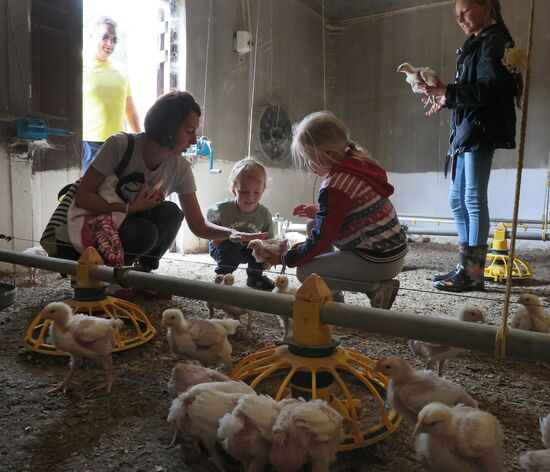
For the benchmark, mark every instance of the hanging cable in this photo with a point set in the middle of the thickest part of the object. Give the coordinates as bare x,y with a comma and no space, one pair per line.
271,51
250,117
206,69
324,57
500,341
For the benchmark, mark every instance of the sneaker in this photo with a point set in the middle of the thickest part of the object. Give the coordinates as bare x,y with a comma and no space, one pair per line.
263,283
384,295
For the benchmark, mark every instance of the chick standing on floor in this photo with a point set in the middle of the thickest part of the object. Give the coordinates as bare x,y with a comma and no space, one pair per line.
195,338
82,336
246,214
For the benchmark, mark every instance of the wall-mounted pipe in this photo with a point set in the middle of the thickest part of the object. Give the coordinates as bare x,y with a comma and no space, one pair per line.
450,220
527,235
520,344
431,231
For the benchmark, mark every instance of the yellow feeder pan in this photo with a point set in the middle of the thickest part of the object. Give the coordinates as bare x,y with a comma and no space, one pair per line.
90,299
312,365
499,259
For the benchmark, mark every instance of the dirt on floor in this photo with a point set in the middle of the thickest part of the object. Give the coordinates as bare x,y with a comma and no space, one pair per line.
126,430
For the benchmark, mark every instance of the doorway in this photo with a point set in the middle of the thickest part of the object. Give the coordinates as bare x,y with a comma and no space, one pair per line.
147,44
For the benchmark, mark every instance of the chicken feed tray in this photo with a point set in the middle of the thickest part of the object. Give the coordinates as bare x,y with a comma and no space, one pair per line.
311,364
90,299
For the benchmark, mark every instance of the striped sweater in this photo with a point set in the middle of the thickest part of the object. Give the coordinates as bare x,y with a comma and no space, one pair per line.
355,214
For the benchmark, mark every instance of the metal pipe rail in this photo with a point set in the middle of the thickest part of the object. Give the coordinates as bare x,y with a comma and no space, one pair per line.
520,344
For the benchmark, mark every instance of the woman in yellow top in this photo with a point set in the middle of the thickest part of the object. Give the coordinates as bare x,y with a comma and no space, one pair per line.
106,94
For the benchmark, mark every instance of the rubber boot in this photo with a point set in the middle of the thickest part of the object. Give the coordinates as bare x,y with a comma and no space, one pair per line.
439,277
471,273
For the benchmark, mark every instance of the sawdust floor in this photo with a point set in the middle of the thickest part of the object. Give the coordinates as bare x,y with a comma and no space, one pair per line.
126,430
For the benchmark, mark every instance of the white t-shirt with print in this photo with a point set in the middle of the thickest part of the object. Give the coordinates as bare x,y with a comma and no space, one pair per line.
175,171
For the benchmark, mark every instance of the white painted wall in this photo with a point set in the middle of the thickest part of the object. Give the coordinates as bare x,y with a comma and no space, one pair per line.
426,193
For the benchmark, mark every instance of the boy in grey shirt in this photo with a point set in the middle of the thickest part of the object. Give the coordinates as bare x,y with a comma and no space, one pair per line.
243,213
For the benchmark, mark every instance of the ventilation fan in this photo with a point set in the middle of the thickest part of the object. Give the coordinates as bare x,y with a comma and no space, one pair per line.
275,133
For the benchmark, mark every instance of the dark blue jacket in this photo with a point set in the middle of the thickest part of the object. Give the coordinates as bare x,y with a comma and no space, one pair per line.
482,97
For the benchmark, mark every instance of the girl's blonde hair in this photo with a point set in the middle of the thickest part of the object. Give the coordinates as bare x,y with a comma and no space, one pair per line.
247,167
323,139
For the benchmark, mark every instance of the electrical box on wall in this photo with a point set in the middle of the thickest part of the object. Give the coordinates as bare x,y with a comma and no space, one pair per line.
241,42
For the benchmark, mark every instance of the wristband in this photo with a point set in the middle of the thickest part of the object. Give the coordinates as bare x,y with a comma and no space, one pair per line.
127,209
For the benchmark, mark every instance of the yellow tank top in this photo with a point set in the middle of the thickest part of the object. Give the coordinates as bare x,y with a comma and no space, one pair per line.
105,87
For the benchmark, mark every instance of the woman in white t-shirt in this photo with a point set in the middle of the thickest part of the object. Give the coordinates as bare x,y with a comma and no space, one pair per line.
155,170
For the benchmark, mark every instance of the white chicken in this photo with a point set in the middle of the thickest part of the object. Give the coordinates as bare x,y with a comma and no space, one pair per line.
436,355
538,461
195,338
282,286
459,439
294,237
197,412
535,461
305,432
532,317
185,375
411,390
81,336
246,431
418,75
234,312
261,249
33,271
211,305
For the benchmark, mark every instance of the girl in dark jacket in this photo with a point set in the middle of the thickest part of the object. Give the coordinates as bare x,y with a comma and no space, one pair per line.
484,119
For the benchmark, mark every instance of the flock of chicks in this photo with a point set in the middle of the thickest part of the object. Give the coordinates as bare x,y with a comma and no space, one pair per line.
209,408
451,432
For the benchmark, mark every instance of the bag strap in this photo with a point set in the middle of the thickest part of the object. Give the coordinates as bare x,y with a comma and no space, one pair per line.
127,155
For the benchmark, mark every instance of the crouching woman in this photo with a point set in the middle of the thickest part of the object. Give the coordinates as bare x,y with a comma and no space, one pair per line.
146,223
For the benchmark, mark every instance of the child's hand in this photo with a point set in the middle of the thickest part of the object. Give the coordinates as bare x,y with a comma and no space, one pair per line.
303,209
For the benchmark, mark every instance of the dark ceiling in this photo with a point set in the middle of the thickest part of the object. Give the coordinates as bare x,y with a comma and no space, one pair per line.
344,9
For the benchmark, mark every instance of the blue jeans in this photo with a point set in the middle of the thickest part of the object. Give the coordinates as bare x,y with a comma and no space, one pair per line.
229,255
468,197
89,150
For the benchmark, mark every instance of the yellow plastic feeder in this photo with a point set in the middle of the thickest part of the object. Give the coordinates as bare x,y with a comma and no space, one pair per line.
499,259
312,364
91,299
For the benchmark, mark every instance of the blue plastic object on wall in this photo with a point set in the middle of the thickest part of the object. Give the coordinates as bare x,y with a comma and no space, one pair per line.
33,127
204,148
